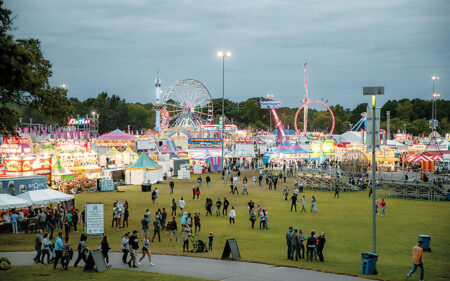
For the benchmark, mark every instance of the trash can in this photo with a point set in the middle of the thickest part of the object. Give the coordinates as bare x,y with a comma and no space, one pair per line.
448,195
369,262
146,187
425,239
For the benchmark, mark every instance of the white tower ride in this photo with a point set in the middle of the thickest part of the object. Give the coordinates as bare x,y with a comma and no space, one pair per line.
157,105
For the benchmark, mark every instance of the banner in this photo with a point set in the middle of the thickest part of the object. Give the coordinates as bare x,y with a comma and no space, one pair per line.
204,143
95,219
270,104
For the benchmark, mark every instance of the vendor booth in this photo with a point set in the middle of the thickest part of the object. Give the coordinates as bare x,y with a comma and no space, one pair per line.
45,196
144,170
208,161
11,202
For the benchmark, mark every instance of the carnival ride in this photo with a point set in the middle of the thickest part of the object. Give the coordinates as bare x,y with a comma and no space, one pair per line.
273,105
186,103
304,107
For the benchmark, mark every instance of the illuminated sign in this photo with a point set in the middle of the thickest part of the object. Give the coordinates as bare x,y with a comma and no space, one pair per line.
79,122
201,143
270,104
15,145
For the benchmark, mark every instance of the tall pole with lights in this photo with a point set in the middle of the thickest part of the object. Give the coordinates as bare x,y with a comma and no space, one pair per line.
223,55
433,104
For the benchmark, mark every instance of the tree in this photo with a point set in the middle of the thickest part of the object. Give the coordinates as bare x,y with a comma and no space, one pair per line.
24,74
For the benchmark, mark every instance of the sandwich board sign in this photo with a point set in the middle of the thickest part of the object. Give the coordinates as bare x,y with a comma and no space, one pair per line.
95,218
231,247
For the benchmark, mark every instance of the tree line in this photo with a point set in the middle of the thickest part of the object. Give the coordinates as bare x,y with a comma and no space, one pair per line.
26,94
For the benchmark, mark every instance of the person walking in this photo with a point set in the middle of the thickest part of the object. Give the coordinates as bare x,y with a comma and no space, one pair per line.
156,228
82,250
146,250
313,204
383,207
232,214
286,192
336,191
321,245
174,207
253,217
194,188
197,192
218,206
288,243
294,202
104,247
134,247
226,203
417,253
45,249
181,204
295,245
67,254
38,246
125,246
303,204
171,186
185,233
173,230
244,188
208,180
58,249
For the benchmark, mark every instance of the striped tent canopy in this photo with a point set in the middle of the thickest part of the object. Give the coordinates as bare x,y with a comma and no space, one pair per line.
437,157
116,135
418,158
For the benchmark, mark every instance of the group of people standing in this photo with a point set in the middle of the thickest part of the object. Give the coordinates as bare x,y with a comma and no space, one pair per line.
296,240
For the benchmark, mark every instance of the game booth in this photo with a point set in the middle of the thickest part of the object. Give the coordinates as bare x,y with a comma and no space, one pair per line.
206,161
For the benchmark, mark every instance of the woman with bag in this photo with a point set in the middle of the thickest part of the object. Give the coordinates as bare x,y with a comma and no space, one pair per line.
146,250
83,250
104,247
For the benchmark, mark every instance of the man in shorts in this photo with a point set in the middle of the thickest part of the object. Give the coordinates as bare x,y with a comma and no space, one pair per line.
134,247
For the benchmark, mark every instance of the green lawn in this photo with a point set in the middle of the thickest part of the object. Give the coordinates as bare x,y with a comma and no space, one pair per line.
47,273
346,221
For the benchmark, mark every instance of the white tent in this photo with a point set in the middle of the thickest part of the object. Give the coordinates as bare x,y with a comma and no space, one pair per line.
10,202
44,196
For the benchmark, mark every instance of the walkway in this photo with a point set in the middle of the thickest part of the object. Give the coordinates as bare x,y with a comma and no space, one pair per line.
212,269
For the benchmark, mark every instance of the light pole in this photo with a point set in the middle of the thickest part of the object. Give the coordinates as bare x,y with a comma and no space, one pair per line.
223,55
435,95
270,97
374,91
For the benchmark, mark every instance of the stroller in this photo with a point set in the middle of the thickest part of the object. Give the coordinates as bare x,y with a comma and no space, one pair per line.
198,245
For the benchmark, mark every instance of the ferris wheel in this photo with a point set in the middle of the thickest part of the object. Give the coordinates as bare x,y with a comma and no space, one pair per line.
187,103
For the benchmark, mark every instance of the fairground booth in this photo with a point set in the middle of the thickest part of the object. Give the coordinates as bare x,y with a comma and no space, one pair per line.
144,170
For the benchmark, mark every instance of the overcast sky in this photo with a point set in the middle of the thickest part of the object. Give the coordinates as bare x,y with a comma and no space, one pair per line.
117,46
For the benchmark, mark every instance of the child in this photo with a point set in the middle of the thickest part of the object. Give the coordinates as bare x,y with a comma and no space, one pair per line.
210,241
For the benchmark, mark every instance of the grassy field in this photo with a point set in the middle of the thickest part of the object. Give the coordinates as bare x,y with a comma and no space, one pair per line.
346,222
47,273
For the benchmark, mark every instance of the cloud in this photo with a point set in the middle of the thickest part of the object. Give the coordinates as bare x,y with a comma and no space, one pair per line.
117,46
